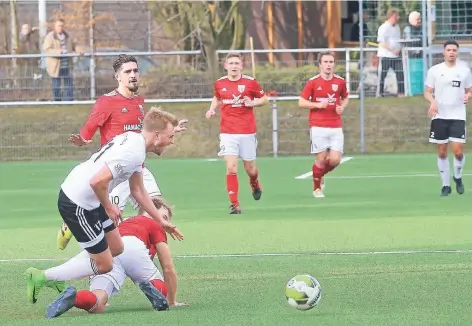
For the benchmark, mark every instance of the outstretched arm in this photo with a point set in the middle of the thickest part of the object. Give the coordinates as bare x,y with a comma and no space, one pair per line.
168,269
140,194
98,116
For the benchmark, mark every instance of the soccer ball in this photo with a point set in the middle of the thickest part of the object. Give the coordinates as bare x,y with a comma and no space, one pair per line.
303,292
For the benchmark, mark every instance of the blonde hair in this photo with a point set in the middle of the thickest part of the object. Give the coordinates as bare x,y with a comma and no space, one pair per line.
157,119
392,11
234,55
324,54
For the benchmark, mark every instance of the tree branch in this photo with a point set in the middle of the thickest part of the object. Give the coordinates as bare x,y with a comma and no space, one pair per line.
229,14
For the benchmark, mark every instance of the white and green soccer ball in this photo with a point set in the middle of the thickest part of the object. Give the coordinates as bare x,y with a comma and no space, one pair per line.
303,292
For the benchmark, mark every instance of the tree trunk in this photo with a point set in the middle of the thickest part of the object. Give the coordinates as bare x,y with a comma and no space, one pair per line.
239,27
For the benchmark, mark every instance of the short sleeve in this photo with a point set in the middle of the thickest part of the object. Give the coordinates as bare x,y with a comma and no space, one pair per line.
381,34
97,118
307,91
344,93
430,79
257,90
128,157
216,93
468,79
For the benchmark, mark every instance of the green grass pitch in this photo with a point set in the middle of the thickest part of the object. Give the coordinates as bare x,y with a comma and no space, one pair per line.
386,248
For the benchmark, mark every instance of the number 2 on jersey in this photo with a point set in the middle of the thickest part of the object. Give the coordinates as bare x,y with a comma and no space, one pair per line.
103,150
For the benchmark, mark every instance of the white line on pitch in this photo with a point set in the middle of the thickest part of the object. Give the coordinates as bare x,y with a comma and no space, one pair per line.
380,176
257,255
309,174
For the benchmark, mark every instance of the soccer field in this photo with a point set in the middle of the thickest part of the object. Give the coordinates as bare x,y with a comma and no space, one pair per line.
386,248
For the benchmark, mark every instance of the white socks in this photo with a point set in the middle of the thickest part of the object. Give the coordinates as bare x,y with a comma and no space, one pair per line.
444,170
75,268
458,166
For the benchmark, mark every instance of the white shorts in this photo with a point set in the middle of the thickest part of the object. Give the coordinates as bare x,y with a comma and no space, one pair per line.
322,139
121,194
134,263
242,145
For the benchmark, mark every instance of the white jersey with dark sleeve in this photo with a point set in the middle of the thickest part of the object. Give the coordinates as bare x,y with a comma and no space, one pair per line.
124,155
449,85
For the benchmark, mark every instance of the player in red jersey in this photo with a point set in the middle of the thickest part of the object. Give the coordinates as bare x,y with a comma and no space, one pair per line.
326,96
143,239
238,94
112,114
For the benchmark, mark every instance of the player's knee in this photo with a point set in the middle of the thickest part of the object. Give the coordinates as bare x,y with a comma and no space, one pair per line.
231,167
459,155
117,249
320,161
249,166
442,150
104,266
334,161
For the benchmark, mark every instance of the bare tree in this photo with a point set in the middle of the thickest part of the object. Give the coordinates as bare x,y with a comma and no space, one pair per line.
79,18
205,25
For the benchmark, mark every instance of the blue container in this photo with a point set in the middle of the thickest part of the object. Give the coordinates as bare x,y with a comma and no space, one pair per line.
416,76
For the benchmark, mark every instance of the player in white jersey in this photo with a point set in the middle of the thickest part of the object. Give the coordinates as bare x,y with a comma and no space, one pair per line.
85,206
448,88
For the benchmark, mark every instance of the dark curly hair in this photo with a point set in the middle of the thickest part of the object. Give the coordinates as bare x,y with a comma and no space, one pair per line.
121,60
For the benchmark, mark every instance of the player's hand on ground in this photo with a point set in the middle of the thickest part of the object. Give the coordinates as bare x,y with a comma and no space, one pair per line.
174,232
209,114
339,109
433,110
177,304
181,126
114,213
77,140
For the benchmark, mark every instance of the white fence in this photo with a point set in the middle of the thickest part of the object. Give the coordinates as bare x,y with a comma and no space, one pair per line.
372,124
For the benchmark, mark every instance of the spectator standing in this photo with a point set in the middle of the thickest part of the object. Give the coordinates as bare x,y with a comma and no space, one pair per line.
389,51
59,68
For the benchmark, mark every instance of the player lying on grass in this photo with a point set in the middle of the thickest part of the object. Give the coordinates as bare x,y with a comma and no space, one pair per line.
238,95
143,239
112,114
326,96
85,206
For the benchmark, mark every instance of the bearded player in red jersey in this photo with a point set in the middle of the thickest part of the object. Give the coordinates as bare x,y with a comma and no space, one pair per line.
112,114
326,96
238,94
143,238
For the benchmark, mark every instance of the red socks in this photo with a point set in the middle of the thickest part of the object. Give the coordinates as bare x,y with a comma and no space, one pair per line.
86,300
160,286
232,186
319,173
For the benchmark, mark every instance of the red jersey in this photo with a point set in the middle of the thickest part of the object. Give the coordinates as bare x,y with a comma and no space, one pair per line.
145,229
318,89
236,118
114,114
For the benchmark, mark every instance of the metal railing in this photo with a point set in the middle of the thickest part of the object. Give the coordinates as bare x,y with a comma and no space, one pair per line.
373,125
